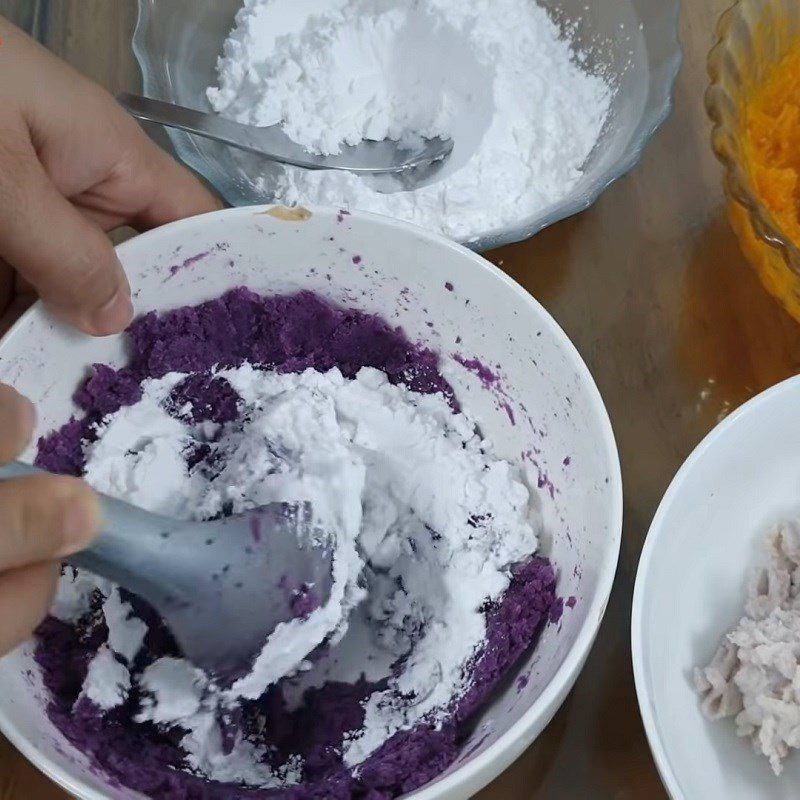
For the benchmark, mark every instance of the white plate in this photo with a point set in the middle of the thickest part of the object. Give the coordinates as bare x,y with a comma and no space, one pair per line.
690,590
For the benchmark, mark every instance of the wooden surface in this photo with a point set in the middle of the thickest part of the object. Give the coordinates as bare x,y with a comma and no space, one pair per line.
651,287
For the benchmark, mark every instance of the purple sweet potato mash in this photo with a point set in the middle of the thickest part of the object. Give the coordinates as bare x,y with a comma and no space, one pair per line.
288,333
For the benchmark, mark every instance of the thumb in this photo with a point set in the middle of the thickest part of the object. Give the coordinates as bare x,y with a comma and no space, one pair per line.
69,260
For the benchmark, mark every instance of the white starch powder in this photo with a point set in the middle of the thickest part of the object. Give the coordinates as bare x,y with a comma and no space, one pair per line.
394,475
496,75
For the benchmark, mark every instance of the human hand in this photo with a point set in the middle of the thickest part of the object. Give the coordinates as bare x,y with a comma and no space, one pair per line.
44,519
74,165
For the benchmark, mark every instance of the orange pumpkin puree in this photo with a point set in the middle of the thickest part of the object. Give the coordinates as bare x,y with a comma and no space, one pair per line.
772,143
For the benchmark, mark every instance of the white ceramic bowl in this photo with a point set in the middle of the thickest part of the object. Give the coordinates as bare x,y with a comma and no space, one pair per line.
402,275
690,590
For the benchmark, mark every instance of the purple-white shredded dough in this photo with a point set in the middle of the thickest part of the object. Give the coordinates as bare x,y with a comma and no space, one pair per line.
290,334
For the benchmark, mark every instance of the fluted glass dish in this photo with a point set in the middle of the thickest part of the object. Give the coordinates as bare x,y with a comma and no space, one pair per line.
753,36
632,42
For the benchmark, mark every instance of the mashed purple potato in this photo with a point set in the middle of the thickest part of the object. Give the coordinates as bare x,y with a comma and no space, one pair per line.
288,334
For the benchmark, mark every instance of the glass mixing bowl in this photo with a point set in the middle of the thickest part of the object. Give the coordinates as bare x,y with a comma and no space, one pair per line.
633,42
753,36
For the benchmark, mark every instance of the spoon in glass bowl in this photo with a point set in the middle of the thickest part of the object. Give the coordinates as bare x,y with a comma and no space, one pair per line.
221,586
367,157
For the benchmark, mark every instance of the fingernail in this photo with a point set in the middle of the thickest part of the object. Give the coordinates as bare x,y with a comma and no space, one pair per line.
79,525
115,315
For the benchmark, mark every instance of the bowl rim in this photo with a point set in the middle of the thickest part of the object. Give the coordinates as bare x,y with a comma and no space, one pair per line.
655,534
487,765
653,117
736,179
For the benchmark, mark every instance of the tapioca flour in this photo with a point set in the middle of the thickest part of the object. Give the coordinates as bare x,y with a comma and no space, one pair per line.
394,475
498,76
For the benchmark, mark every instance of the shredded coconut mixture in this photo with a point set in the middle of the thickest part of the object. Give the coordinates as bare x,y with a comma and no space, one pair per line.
755,675
498,76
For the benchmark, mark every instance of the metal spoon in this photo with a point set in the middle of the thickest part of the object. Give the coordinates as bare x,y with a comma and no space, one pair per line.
366,157
221,586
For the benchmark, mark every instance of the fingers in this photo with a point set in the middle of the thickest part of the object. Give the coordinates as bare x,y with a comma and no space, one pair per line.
45,518
21,298
70,262
17,420
25,598
168,191
42,520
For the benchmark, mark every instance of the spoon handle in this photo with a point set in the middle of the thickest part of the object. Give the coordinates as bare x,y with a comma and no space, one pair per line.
130,547
372,158
268,142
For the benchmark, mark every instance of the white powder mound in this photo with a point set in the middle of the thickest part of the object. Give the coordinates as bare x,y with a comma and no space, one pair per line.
125,631
498,76
755,675
107,680
151,472
394,475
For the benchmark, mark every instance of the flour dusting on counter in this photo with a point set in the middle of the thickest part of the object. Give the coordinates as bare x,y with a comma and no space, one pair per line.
498,76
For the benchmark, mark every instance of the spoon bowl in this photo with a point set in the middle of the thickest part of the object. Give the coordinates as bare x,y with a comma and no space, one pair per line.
221,586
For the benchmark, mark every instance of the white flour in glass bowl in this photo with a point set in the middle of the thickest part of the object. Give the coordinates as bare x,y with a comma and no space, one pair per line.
499,76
